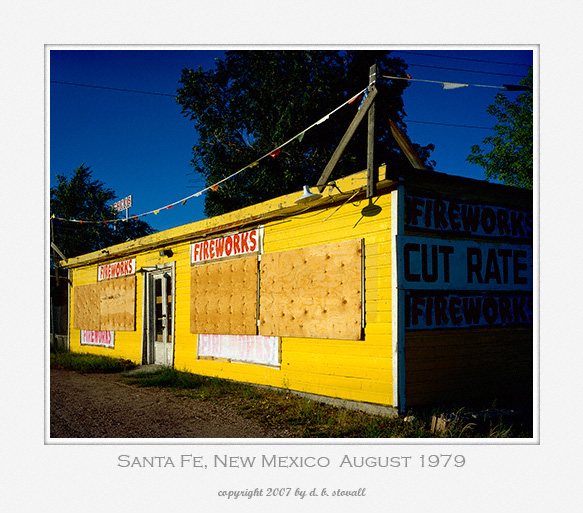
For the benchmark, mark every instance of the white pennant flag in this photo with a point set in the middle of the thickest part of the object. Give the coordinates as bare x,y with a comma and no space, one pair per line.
452,85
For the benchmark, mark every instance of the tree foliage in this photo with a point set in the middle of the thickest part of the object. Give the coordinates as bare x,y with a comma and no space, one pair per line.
254,101
82,198
510,155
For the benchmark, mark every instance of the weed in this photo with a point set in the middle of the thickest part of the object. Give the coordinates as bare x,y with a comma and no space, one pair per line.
298,416
89,363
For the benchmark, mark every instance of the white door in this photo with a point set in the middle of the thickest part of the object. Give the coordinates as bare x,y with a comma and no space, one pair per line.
160,321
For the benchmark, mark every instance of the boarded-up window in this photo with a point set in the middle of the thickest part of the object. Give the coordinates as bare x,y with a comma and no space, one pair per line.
118,304
86,310
106,306
223,297
313,292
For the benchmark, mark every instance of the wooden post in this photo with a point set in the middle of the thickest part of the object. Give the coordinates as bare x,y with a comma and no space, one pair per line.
368,102
370,164
406,146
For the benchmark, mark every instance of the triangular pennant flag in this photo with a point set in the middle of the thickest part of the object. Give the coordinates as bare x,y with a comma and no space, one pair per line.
301,136
275,153
352,100
323,119
183,202
169,207
215,187
156,212
254,164
452,85
363,98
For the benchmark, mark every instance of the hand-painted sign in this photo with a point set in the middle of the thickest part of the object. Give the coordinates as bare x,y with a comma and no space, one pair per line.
98,338
439,264
123,204
241,348
116,269
232,245
429,310
444,215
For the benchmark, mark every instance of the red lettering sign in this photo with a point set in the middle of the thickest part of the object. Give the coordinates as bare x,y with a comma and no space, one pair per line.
116,269
242,348
98,338
236,244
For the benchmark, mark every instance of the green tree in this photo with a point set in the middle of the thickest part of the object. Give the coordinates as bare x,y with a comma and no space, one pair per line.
254,101
82,198
510,156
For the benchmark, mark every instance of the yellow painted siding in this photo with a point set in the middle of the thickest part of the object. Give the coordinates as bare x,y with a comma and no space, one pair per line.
128,344
359,370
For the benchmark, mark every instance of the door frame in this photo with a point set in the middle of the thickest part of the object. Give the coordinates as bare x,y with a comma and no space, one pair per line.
148,311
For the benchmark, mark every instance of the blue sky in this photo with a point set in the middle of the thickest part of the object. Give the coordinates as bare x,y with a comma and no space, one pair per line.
140,144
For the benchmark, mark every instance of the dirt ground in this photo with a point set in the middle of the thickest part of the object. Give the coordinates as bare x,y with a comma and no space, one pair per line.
102,406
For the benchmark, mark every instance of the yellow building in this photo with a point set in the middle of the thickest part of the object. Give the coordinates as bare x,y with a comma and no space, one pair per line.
419,295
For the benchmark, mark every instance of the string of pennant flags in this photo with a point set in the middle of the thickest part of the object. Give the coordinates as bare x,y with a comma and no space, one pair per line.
276,151
214,187
456,85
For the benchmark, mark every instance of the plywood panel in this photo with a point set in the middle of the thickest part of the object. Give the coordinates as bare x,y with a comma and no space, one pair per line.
106,306
223,297
118,304
86,307
313,292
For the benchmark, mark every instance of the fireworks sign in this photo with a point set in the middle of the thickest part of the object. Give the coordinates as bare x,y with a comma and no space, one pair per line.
123,204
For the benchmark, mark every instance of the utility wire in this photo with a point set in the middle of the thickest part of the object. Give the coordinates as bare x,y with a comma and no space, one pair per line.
112,88
458,58
465,70
449,124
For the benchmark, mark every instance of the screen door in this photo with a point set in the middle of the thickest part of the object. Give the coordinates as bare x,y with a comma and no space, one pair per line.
160,321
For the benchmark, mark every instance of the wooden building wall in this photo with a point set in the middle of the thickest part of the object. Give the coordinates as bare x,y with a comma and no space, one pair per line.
477,346
350,369
356,366
470,366
324,286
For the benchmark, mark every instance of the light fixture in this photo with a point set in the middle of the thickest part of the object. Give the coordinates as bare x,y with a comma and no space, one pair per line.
165,252
371,209
307,196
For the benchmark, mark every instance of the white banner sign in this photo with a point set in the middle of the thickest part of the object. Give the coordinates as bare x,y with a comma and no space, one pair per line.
429,310
242,348
116,269
98,338
445,215
440,264
236,244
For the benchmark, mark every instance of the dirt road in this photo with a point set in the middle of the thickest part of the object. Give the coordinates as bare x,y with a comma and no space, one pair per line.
102,406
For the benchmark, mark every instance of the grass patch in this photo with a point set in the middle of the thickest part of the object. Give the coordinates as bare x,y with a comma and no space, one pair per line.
89,363
304,418
296,416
